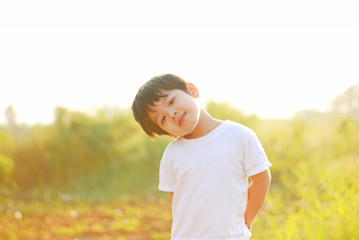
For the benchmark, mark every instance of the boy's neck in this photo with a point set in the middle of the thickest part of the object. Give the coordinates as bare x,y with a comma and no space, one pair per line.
205,125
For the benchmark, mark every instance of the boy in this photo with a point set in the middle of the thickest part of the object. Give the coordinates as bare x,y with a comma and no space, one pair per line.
206,168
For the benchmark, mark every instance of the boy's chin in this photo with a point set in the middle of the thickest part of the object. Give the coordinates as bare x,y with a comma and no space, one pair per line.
179,135
184,133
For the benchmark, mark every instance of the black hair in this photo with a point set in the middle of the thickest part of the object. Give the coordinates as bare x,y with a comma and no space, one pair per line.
151,92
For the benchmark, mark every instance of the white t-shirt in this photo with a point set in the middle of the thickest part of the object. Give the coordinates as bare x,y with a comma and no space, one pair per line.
209,178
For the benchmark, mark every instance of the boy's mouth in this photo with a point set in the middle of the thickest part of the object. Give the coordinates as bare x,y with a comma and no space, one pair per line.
181,120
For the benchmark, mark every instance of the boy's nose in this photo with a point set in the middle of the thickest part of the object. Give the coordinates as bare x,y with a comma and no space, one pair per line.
174,115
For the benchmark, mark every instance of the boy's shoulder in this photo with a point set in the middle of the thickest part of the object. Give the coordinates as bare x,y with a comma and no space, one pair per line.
238,127
237,130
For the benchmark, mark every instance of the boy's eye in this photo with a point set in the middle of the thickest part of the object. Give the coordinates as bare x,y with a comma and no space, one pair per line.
172,101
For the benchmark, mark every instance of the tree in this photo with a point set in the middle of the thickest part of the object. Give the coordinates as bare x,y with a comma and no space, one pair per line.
10,118
347,103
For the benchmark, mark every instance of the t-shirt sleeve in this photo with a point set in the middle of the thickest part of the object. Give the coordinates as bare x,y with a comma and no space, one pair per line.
167,176
255,158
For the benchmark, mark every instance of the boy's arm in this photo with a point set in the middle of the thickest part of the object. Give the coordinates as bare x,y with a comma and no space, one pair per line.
257,192
171,194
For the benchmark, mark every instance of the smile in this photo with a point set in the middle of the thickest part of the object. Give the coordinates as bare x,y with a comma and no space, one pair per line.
181,120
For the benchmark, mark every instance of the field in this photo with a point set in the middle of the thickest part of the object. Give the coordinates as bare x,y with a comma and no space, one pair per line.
63,218
316,207
95,177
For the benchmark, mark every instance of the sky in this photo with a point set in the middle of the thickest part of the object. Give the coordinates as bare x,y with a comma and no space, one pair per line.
270,58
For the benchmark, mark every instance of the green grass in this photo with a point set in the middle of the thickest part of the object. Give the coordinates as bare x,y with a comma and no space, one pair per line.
314,201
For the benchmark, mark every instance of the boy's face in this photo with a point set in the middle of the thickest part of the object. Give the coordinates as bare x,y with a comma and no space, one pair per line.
177,113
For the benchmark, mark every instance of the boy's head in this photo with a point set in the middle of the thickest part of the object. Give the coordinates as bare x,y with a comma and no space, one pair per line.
150,93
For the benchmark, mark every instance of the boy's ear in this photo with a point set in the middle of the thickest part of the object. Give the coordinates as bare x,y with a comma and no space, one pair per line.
193,90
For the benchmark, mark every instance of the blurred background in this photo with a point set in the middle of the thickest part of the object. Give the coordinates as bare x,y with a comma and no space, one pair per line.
75,165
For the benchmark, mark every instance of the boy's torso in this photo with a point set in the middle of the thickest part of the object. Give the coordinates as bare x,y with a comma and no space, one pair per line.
211,184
